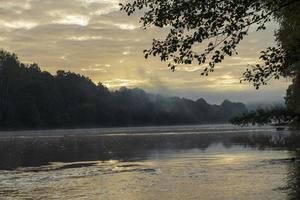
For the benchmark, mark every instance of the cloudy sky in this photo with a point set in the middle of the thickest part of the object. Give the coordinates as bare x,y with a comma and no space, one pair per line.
93,38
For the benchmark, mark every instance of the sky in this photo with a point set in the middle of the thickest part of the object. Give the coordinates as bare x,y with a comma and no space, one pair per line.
94,38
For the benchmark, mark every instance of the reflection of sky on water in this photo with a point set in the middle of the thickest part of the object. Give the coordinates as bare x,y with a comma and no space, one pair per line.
176,166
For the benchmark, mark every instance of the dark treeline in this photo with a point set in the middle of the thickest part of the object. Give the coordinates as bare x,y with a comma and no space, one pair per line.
31,98
276,116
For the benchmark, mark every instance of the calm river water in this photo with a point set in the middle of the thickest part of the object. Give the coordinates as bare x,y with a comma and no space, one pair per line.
146,163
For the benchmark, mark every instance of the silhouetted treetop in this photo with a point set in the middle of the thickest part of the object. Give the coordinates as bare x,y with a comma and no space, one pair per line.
30,98
220,25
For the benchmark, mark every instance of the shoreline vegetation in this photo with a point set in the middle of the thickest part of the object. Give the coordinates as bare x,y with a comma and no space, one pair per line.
277,116
35,99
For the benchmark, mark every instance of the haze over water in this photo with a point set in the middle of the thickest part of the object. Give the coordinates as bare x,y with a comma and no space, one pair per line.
185,162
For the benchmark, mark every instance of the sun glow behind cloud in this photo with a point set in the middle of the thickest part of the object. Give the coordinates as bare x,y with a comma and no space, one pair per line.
94,38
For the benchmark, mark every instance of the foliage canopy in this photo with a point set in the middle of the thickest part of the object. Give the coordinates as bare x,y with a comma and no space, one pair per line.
221,24
31,98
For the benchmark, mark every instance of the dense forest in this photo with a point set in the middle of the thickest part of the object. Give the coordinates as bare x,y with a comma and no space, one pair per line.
31,98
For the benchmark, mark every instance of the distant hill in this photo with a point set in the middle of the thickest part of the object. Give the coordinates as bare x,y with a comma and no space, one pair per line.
30,98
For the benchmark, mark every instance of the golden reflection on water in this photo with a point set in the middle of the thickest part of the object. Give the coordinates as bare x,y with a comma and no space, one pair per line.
208,175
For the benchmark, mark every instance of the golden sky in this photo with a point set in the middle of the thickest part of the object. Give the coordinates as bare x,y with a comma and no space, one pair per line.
94,38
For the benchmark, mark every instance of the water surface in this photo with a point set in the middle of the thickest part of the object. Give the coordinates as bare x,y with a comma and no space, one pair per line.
185,162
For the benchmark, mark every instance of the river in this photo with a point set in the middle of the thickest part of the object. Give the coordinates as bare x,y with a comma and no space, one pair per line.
212,162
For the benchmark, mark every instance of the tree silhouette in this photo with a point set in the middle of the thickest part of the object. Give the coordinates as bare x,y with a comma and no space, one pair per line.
222,24
31,98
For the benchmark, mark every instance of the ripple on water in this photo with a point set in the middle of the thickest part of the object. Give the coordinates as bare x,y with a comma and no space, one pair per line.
165,166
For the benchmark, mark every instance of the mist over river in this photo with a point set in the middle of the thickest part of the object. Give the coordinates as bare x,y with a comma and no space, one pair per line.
213,162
